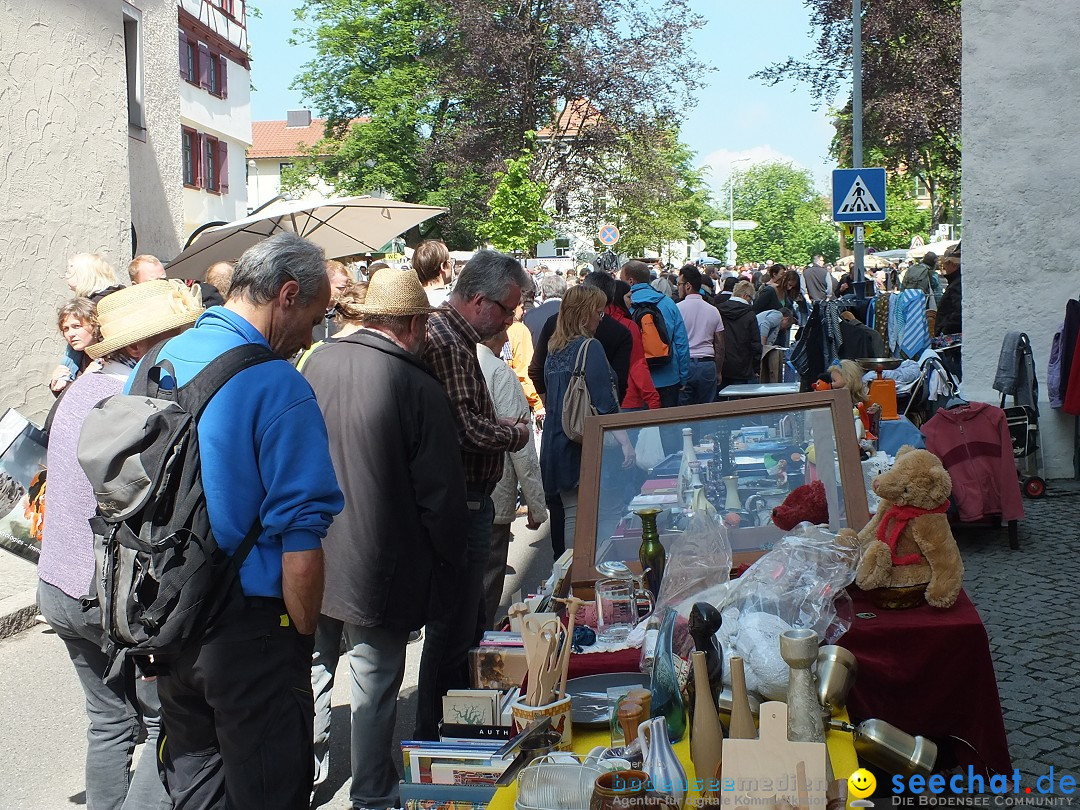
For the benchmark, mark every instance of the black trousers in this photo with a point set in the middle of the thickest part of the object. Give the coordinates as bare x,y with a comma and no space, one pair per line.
237,712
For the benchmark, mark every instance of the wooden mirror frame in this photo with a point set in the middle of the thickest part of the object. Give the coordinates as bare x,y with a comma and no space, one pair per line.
583,572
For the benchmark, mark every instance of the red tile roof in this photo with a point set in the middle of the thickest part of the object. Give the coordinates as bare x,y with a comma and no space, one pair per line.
273,139
574,116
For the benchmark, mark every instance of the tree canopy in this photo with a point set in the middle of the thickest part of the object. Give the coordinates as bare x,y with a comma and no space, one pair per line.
449,91
794,221
911,86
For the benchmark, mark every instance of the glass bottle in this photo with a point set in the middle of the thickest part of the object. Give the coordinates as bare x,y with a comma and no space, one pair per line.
689,456
651,553
666,695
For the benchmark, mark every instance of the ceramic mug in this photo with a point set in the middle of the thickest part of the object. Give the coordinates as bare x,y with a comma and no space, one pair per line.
619,790
560,713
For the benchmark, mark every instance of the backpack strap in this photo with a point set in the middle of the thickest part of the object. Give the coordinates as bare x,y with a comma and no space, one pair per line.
200,389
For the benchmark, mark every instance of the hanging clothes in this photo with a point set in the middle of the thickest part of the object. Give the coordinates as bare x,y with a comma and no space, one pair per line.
881,317
1015,375
909,331
974,445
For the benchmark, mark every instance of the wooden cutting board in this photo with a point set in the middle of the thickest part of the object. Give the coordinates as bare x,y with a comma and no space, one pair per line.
755,771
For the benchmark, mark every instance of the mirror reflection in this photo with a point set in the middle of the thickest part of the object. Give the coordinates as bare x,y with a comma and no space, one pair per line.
740,466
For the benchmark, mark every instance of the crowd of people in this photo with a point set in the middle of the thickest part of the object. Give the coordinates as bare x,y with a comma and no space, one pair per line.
381,460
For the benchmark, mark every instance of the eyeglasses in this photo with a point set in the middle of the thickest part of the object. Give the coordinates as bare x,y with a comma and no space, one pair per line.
508,312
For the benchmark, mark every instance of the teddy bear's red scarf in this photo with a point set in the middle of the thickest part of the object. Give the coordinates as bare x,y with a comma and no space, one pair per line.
893,523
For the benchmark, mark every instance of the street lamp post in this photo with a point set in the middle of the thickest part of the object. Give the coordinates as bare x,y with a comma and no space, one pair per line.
254,204
731,211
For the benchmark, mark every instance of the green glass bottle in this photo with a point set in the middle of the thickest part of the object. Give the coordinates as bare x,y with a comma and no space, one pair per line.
651,553
667,699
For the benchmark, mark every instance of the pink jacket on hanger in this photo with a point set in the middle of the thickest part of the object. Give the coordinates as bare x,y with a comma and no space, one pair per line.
973,444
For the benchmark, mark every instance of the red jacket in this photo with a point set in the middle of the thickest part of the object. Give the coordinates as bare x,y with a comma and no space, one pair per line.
640,390
973,443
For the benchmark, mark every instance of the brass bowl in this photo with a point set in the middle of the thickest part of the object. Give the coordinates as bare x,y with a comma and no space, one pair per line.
899,597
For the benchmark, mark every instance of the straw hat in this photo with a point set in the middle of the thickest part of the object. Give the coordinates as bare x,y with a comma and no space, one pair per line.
142,311
395,293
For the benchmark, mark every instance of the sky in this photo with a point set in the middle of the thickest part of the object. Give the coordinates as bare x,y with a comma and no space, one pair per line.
736,118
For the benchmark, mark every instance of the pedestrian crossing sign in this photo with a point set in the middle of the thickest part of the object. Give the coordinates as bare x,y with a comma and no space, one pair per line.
858,195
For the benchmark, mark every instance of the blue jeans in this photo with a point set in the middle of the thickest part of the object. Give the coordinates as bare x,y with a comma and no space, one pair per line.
114,711
701,387
444,663
376,668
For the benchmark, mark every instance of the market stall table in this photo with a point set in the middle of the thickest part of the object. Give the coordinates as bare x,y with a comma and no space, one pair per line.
929,672
757,390
841,754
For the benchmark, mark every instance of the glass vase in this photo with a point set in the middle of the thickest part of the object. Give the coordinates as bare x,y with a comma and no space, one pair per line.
666,695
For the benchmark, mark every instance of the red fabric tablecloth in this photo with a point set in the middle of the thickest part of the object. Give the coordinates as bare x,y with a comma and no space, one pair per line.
926,671
929,672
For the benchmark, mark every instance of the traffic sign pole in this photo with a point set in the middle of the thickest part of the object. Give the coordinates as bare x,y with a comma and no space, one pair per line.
856,129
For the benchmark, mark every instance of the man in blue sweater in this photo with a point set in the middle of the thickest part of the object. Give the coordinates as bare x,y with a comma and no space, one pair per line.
669,378
236,707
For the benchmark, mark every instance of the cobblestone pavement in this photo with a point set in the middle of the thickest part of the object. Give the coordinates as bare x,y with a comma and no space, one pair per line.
1029,602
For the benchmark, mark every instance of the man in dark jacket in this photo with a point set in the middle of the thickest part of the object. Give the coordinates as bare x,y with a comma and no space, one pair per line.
742,344
392,556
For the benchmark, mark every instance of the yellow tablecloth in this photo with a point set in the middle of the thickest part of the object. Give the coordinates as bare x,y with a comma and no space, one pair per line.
841,752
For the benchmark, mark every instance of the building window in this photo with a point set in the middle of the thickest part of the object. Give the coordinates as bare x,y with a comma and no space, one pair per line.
215,77
210,163
133,69
283,167
562,246
189,59
190,150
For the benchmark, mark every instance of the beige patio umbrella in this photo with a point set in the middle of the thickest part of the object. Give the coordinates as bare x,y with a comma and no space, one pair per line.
937,248
869,260
341,226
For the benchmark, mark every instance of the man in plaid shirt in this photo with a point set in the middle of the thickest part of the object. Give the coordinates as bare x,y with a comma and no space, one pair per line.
482,305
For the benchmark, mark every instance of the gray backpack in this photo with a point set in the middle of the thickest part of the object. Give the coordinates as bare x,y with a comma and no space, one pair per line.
160,578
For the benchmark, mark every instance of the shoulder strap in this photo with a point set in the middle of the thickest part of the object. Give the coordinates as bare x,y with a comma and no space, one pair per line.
200,389
582,354
140,382
247,544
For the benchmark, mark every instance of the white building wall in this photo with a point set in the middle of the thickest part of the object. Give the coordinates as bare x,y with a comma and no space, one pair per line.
229,120
264,183
63,173
1021,96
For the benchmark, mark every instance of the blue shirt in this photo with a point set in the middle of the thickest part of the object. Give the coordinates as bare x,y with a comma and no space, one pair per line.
677,372
263,444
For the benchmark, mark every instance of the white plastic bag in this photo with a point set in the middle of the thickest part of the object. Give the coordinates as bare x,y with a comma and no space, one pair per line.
648,448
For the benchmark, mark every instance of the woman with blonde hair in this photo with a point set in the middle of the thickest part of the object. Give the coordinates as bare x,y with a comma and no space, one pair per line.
560,457
89,275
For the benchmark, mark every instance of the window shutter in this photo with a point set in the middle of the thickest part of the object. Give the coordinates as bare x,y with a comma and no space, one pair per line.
204,66
223,167
223,78
183,57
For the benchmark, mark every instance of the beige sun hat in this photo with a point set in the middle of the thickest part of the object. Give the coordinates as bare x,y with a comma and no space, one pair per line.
397,292
142,311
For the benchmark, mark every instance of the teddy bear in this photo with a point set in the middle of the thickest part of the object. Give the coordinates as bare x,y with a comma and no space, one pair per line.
805,503
908,540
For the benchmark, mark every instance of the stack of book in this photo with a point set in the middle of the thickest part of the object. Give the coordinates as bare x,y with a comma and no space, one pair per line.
451,775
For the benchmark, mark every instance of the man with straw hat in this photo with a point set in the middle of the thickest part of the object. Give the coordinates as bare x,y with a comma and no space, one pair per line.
132,320
393,554
236,704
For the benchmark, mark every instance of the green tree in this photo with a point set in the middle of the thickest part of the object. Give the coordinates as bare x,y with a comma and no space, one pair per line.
905,218
794,221
654,194
517,219
427,99
911,86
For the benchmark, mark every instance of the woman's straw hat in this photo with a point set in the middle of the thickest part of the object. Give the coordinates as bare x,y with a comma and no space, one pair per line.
395,292
142,311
